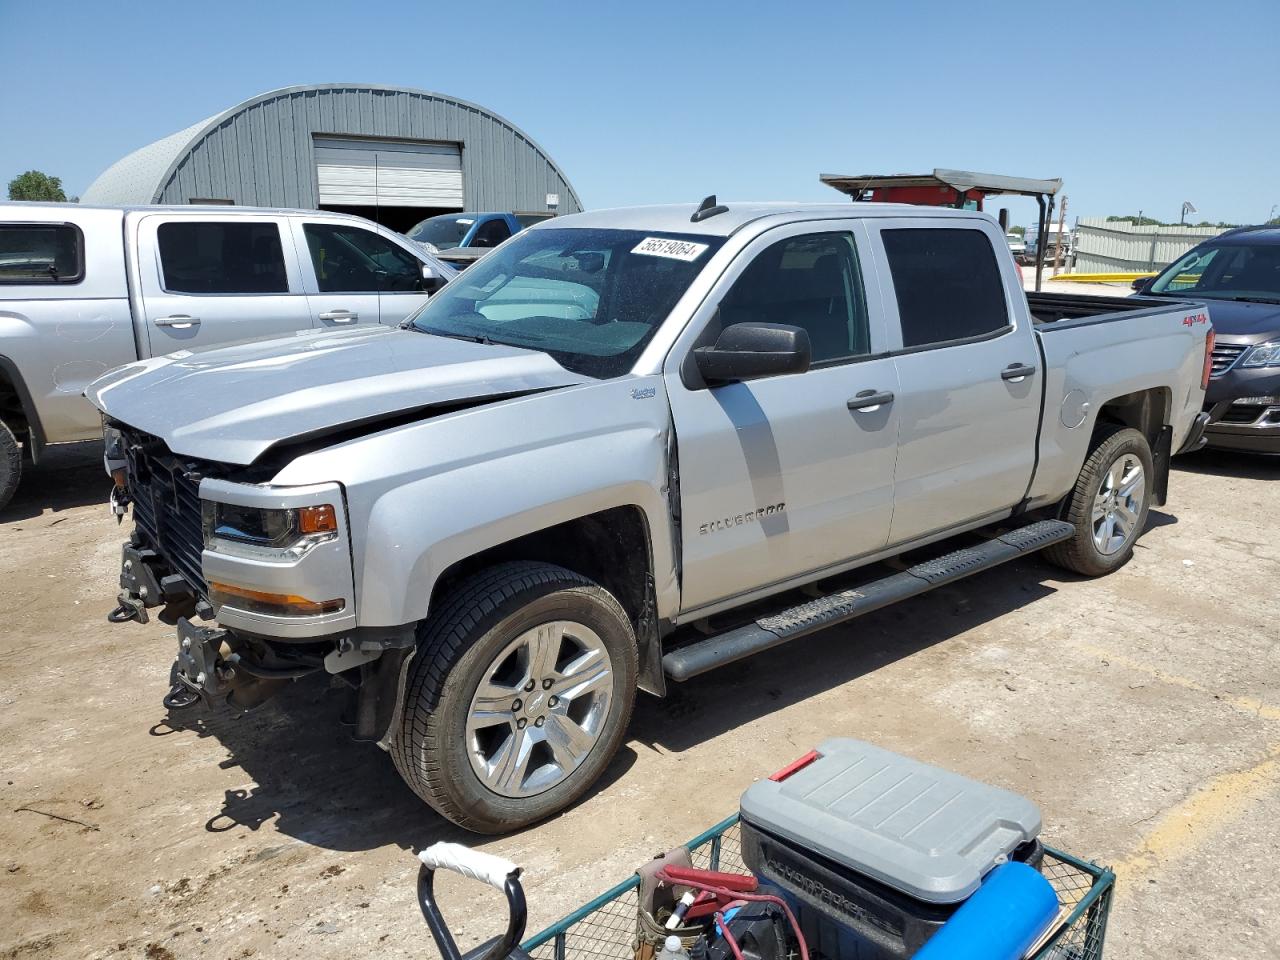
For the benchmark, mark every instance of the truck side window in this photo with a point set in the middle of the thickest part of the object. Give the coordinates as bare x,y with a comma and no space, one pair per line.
811,281
41,253
352,260
947,282
491,234
221,257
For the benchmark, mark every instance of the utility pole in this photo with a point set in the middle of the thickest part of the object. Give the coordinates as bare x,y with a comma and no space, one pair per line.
1057,250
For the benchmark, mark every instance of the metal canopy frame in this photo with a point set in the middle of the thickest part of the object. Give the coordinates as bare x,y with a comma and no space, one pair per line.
962,181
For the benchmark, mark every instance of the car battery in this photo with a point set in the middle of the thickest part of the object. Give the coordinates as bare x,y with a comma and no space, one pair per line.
875,850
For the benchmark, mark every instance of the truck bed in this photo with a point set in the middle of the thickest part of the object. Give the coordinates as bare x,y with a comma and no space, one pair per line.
1055,307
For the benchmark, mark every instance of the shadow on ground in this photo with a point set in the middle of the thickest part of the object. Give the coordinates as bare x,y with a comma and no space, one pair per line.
313,781
740,693
68,475
321,787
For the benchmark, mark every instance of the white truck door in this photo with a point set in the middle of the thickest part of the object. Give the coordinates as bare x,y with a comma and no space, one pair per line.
359,275
784,476
210,279
969,371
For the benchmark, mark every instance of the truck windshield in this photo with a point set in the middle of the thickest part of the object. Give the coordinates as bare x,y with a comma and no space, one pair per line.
1228,271
443,232
592,299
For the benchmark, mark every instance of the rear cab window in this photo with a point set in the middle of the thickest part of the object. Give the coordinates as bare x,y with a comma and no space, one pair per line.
201,256
35,253
947,283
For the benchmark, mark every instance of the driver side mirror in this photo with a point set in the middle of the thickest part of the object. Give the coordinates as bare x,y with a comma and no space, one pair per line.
1142,284
431,279
747,351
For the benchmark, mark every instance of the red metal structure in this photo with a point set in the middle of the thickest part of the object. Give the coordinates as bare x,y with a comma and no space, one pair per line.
950,188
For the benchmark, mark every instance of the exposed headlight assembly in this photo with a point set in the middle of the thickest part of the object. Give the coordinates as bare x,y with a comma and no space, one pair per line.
114,453
1263,355
295,529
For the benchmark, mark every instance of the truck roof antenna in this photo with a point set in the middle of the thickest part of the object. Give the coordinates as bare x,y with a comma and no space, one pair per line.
708,208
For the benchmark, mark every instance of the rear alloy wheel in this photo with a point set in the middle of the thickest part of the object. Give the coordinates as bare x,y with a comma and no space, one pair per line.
1109,504
517,697
1122,495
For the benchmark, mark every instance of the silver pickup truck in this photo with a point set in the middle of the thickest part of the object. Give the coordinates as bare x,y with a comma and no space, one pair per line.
84,289
624,448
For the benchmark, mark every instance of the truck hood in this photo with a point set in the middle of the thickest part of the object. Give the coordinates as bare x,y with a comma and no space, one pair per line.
233,403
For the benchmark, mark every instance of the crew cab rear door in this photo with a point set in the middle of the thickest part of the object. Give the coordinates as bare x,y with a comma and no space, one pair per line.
781,476
207,279
358,274
968,370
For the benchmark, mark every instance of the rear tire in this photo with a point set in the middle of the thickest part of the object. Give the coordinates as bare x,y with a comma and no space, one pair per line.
527,658
1109,504
10,464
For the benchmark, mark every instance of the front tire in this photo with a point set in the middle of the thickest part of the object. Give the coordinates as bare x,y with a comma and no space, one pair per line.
10,464
1109,504
518,696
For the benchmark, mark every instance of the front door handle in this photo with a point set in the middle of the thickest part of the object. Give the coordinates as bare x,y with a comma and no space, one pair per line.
1017,372
340,316
870,400
179,321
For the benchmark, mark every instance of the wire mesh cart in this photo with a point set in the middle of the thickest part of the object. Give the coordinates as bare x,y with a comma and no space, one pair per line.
605,928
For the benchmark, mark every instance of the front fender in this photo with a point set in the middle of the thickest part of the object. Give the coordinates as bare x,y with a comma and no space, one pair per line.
425,496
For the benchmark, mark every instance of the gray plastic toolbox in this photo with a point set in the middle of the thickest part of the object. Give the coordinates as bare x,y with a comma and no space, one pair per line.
918,829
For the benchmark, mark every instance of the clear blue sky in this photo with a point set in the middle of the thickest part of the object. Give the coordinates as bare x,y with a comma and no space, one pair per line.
1141,104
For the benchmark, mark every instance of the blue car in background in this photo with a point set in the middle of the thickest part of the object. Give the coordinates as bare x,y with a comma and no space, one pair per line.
1238,273
460,239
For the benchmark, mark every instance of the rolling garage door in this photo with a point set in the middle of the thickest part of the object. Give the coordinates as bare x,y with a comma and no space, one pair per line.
388,172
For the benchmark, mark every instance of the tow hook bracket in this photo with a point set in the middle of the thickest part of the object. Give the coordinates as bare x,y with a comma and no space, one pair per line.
200,670
137,577
128,607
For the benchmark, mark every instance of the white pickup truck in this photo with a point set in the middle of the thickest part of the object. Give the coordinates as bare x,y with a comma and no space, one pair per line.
625,447
84,289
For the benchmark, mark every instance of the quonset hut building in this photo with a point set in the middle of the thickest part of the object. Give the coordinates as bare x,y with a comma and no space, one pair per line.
391,154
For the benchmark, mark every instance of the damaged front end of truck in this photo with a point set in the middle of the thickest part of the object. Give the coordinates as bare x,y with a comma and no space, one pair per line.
202,532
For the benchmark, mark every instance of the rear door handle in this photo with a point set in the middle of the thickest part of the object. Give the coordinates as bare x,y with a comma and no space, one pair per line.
870,399
179,321
340,316
1017,372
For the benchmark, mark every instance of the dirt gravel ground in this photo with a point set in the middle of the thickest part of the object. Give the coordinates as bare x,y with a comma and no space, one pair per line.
1141,711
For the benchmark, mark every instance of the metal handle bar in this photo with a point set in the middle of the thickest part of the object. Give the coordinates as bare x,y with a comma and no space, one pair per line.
486,868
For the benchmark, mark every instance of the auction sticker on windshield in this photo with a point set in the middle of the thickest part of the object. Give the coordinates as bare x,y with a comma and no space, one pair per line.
672,249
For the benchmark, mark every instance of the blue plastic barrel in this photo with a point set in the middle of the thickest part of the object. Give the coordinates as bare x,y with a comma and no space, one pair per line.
1003,918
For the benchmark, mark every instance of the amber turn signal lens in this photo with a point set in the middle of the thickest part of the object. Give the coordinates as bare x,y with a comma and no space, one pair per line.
281,604
320,519
121,477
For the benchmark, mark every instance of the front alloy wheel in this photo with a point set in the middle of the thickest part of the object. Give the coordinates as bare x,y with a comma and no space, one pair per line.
517,696
540,708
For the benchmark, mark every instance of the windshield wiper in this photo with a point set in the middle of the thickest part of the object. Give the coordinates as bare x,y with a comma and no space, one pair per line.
1255,299
469,337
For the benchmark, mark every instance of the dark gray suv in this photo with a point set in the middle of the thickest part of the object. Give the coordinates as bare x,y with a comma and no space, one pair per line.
1240,272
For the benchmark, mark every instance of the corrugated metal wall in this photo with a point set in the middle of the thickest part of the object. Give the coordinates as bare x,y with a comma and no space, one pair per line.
261,155
1120,247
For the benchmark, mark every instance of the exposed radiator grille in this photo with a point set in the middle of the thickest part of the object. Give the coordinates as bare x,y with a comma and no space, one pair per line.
1225,355
166,504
